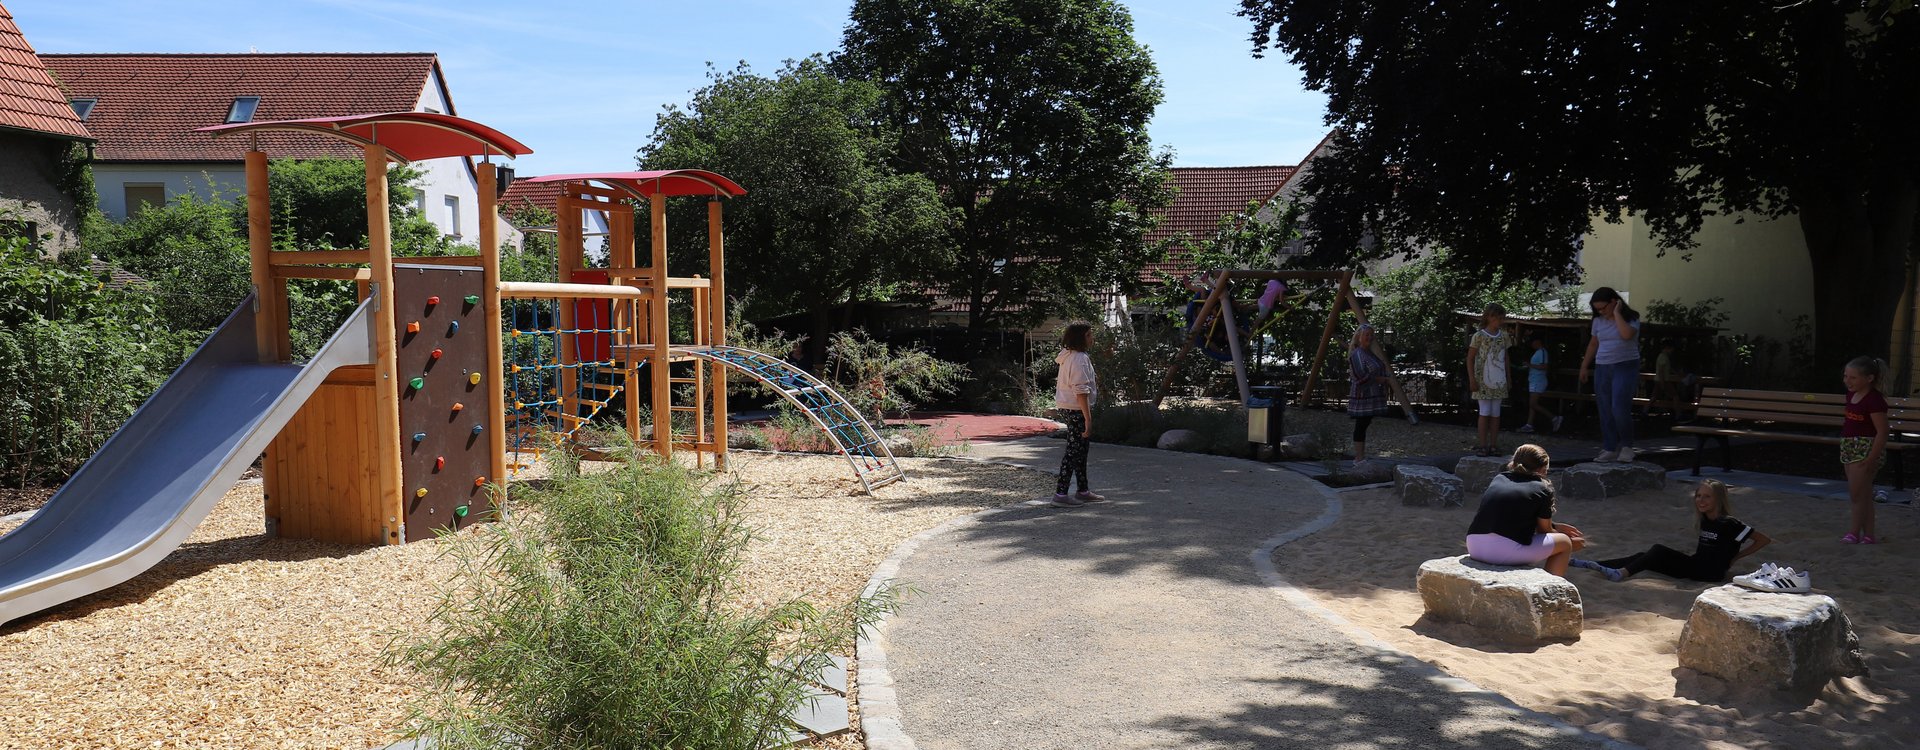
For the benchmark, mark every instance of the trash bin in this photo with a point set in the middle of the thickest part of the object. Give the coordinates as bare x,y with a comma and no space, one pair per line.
1264,415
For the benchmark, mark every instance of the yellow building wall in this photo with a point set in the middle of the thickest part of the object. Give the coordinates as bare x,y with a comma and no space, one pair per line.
1759,269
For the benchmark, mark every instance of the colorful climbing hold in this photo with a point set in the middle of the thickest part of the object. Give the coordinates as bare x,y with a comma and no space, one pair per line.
473,299
477,428
419,436
413,326
480,481
474,378
453,328
434,300
422,492
417,383
436,353
457,406
460,511
439,462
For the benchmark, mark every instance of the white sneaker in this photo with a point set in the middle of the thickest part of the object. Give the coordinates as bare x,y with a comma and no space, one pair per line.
1626,456
1766,572
1784,580
1607,457
1528,428
1556,423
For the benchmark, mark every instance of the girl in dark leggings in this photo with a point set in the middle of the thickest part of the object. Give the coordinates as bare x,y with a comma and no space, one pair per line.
1723,539
1073,394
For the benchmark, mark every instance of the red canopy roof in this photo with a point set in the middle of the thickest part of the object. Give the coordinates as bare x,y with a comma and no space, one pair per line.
408,136
657,182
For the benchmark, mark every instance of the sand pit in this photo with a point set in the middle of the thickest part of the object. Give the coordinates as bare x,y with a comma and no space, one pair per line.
239,640
1621,679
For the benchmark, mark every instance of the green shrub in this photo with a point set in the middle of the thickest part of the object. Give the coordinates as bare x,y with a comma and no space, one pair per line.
603,613
1222,429
879,379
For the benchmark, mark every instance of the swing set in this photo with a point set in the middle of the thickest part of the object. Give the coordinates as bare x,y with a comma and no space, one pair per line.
1217,313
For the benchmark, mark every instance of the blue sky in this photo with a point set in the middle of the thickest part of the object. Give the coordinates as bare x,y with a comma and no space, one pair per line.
581,82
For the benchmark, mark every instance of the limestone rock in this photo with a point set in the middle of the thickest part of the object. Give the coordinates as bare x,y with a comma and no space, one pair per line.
1476,472
1598,481
900,445
1774,640
1426,486
1367,472
1302,447
1180,440
1517,605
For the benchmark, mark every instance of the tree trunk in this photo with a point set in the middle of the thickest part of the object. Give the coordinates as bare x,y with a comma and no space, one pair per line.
1858,242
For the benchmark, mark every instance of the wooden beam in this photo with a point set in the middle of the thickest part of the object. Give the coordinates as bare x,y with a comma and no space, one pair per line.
539,290
260,248
1233,339
496,417
717,308
1252,275
322,272
1326,334
452,260
1199,319
657,321
319,257
386,387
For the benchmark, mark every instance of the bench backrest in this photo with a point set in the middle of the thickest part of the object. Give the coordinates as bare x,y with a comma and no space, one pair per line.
1790,407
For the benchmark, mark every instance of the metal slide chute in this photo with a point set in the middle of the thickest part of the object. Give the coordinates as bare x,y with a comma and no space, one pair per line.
162,472
855,438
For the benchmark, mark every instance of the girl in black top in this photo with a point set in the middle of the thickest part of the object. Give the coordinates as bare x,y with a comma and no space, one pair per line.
1515,525
1722,538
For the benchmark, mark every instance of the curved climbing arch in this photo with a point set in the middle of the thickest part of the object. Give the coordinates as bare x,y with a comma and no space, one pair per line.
869,456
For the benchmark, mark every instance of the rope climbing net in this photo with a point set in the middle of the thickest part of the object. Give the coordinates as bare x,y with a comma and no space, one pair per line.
557,378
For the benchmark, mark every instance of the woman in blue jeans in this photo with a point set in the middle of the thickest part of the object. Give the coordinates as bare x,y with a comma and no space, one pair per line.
1613,361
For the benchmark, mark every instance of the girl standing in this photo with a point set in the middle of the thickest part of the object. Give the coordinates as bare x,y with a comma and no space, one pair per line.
1367,391
1487,374
1863,442
1073,393
1723,539
1613,361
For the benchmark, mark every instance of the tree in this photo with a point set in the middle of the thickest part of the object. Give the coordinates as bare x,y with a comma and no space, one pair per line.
1499,130
825,220
1030,115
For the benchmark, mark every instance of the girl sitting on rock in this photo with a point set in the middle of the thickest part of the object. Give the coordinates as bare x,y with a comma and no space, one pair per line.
1515,525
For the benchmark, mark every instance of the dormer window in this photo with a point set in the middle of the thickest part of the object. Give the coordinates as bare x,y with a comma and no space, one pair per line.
83,107
243,107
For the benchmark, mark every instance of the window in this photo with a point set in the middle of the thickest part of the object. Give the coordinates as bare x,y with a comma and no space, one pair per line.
420,203
243,107
140,196
432,111
83,107
453,215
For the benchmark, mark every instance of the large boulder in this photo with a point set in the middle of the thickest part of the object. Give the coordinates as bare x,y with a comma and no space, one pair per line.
1476,472
1598,481
1516,605
1366,472
1180,440
1426,486
1794,642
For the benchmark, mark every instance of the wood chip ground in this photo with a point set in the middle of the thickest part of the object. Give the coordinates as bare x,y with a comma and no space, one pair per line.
240,640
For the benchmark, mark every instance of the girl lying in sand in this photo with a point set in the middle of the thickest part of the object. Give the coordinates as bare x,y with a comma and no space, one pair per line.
1515,526
1721,540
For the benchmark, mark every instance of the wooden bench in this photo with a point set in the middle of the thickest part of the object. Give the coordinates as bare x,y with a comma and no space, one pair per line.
1730,406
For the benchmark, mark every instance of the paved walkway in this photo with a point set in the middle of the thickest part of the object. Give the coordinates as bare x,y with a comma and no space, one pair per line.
1145,624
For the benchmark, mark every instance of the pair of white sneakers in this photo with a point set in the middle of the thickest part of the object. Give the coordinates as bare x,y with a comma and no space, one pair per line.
1777,578
1622,456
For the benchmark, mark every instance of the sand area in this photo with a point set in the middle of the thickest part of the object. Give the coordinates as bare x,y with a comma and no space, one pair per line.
1622,679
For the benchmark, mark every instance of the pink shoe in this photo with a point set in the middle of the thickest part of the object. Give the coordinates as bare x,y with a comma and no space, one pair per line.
1850,538
1864,539
1089,497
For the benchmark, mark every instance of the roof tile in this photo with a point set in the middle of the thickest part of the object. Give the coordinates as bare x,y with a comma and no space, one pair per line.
150,104
1206,194
29,100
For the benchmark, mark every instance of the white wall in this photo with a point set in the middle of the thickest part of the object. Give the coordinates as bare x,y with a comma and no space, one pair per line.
111,180
453,177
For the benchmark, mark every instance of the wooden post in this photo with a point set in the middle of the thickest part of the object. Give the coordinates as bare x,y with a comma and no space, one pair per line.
1233,340
626,318
267,323
569,244
1199,319
717,308
657,322
386,383
699,378
1326,334
494,380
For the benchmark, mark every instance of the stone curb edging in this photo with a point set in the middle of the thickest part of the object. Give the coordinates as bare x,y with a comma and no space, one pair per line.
1386,653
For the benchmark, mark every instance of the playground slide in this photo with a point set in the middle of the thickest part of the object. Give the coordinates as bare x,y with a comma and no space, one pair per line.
154,481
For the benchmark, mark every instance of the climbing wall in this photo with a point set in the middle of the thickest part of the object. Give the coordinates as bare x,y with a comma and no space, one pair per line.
441,349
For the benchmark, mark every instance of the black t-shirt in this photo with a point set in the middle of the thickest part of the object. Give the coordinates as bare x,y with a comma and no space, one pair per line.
1721,539
1512,507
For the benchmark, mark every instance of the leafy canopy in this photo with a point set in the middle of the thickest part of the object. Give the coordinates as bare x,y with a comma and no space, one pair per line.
1030,116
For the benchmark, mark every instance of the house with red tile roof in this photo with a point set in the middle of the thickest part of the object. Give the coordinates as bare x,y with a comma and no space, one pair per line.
1205,196
144,110
523,194
38,133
